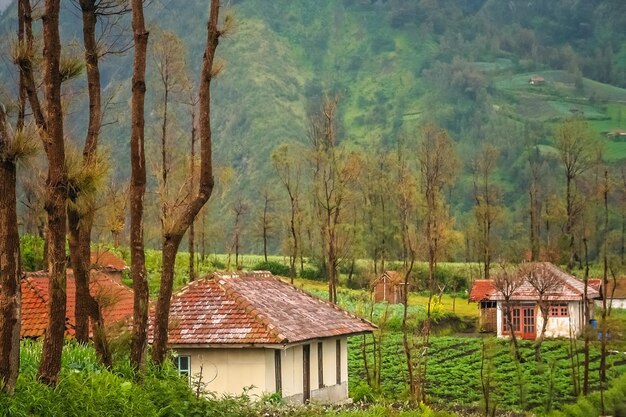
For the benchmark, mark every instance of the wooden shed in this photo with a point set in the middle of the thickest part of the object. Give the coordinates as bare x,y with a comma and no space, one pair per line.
389,287
487,317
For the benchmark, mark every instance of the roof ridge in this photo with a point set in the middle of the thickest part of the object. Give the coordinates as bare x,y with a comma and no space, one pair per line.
566,277
35,287
328,303
243,302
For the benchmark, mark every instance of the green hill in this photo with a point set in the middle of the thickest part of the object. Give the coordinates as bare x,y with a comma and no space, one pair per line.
394,63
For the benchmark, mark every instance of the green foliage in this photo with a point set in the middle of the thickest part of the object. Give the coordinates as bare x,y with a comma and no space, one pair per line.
31,249
276,268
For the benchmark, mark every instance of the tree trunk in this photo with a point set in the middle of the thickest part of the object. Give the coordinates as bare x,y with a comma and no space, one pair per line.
10,291
192,171
56,196
138,189
187,216
587,317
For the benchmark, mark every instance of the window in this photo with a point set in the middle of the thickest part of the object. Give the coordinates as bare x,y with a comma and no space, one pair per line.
183,364
559,310
338,360
278,371
320,364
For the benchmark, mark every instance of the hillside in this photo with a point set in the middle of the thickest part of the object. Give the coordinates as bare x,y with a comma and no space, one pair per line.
393,63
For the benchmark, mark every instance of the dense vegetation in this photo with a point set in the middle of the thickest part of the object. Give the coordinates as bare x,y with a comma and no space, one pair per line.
394,64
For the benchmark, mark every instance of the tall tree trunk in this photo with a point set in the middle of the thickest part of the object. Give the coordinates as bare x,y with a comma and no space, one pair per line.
184,219
192,173
56,196
605,284
138,189
10,291
586,317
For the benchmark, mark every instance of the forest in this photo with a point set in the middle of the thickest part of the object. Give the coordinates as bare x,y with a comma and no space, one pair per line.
327,142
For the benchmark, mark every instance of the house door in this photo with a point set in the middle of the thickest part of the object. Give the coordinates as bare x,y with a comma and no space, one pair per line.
306,373
529,330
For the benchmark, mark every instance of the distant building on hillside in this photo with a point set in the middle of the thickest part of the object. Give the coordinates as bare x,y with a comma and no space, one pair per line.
252,329
536,80
565,317
389,287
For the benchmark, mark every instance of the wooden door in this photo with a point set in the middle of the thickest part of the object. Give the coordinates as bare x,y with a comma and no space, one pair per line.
306,373
529,329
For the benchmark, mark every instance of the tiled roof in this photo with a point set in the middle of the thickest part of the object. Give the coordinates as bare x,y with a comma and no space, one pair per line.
481,290
254,308
106,259
569,288
116,301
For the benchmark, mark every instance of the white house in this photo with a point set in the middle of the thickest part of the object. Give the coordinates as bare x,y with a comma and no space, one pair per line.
250,329
565,317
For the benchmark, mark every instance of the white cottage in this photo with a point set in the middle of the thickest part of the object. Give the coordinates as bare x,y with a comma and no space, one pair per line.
250,329
565,316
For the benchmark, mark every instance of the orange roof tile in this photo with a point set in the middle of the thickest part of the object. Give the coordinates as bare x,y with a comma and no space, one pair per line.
254,308
481,290
115,298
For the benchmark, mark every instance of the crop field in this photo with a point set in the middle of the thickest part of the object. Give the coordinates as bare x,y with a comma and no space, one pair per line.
454,368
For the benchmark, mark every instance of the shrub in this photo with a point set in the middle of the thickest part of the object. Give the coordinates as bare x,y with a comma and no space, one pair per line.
31,248
274,267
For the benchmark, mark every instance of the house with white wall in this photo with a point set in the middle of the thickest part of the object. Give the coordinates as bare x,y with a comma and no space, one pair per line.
566,300
251,329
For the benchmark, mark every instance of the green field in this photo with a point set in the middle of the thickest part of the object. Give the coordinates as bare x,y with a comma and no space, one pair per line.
454,372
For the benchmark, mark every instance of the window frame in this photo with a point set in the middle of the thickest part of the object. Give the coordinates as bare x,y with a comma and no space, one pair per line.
185,372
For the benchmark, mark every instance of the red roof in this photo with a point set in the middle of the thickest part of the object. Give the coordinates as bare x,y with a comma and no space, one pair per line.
569,288
116,301
254,308
106,259
481,290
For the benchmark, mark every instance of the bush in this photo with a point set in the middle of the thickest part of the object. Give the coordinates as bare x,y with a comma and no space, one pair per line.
312,273
31,248
276,268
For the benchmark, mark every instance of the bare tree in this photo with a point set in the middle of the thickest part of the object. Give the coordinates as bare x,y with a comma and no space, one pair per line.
575,144
438,164
184,218
138,189
535,168
266,221
486,196
81,210
333,172
506,282
289,172
13,148
56,194
545,283
239,209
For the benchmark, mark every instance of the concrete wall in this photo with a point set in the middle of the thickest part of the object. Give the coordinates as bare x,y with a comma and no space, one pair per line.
614,303
557,326
229,371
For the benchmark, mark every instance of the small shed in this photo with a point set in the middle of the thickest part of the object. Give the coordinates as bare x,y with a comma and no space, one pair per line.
389,287
488,311
536,80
